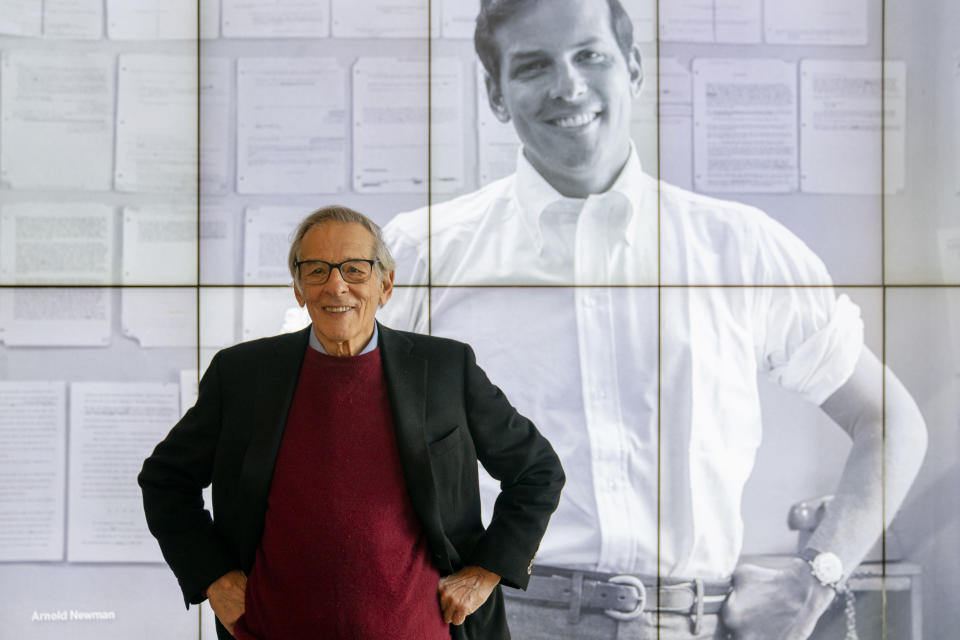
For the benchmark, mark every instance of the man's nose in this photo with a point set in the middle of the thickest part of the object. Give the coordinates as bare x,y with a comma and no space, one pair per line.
335,283
568,83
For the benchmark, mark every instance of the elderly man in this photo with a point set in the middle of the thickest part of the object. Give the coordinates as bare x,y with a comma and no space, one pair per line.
343,460
630,318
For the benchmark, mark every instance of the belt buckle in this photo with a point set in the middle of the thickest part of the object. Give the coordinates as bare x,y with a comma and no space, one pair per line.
630,581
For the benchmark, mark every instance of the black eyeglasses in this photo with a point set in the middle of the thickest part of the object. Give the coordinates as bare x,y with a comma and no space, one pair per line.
354,271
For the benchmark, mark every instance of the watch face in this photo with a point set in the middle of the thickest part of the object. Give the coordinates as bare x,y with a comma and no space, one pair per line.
827,568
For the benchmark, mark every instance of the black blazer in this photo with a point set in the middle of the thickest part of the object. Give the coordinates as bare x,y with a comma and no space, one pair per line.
447,416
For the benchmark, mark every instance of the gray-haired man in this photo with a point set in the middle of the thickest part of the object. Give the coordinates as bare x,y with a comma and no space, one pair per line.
343,460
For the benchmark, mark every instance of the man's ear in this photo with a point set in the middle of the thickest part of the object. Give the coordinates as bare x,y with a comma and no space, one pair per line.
635,68
296,292
386,288
495,96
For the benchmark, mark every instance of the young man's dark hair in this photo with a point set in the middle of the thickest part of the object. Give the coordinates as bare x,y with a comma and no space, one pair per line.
494,13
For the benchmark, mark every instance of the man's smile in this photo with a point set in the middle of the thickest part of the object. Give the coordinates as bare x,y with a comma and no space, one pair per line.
574,121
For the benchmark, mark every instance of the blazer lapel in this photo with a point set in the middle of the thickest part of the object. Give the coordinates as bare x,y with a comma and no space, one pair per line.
406,376
275,382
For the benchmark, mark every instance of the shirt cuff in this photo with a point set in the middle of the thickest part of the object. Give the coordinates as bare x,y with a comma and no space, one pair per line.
827,358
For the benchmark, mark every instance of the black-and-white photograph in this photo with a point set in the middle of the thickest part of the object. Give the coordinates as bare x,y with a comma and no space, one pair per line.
479,319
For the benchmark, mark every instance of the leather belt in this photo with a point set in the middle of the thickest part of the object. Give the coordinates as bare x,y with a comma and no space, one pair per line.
622,597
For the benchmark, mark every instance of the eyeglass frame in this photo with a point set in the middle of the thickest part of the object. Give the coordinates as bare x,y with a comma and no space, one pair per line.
373,263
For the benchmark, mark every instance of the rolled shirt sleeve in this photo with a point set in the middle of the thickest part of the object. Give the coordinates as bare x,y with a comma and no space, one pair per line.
811,338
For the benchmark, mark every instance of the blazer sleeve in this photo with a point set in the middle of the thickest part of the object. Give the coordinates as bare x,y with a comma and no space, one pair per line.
172,480
530,475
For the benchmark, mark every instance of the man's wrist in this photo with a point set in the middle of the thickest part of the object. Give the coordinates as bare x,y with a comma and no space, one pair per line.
825,567
486,574
828,574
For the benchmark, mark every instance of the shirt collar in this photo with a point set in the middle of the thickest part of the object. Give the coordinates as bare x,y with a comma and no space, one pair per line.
316,345
535,194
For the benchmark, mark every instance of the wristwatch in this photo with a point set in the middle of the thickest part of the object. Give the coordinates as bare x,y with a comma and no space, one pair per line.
825,566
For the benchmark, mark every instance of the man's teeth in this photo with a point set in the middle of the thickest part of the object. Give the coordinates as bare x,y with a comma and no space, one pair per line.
337,309
576,121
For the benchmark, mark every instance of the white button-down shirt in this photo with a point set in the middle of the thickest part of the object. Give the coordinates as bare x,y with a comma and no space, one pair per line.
630,327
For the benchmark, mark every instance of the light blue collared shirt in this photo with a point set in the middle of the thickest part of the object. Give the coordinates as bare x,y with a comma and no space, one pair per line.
315,342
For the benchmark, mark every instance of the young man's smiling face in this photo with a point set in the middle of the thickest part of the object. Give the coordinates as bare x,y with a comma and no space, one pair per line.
567,87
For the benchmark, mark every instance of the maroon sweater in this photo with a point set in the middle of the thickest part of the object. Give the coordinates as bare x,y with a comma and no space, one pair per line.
342,555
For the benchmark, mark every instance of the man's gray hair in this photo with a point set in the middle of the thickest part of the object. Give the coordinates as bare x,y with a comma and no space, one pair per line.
337,213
